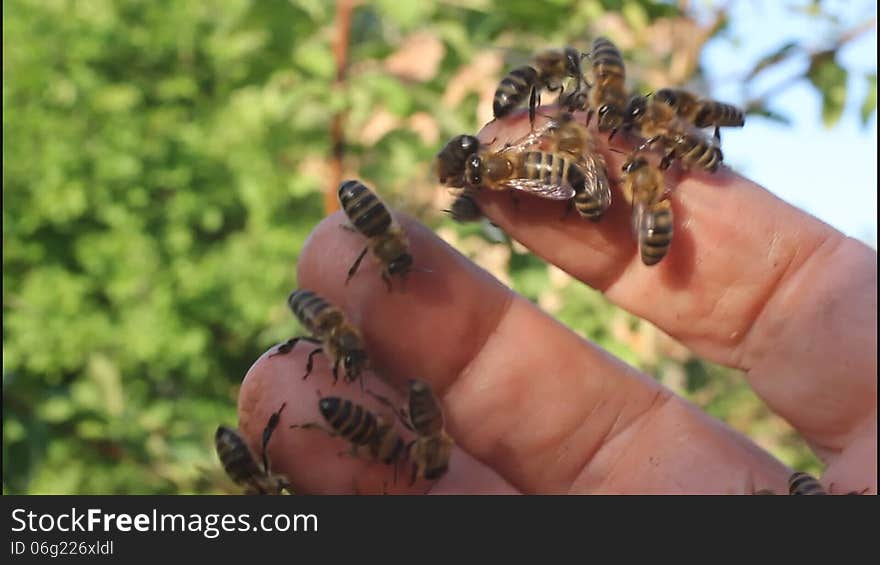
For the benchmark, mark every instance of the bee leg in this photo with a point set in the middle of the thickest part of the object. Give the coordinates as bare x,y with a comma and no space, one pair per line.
387,280
400,413
717,134
589,118
314,426
310,360
288,345
666,161
533,102
569,206
335,372
356,265
267,434
647,144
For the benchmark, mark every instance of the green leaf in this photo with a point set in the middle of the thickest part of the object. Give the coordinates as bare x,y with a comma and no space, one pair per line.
869,105
829,78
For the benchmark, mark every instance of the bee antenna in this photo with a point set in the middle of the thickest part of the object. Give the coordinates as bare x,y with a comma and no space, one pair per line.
617,150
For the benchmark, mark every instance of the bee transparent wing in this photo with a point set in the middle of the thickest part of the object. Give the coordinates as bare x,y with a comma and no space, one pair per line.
530,139
541,188
639,210
597,181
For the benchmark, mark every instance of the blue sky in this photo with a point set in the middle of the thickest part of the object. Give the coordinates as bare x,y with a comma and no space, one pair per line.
831,173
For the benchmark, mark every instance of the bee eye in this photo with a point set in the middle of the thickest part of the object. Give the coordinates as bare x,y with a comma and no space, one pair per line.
603,109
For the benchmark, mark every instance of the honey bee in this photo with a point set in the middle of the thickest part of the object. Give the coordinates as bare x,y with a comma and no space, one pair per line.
465,208
607,95
803,483
593,197
361,428
701,112
240,464
341,341
652,214
387,240
658,122
431,451
547,70
432,448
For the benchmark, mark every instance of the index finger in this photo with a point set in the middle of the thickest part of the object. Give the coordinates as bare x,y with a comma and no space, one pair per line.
750,282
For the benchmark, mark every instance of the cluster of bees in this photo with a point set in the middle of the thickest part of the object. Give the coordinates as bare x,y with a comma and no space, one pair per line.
377,435
557,161
560,161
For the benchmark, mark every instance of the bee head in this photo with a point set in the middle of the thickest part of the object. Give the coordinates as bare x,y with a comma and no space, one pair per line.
354,362
400,265
635,108
329,406
473,171
573,62
667,96
634,164
451,159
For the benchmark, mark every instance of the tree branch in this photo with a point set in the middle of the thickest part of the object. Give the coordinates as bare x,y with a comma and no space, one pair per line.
337,125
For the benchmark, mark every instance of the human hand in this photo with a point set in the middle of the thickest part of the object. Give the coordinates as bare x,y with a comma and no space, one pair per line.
750,282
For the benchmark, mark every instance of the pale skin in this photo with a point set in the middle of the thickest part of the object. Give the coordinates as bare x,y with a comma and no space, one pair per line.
750,282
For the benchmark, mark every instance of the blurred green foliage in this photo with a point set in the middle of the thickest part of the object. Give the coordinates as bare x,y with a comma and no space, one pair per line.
164,162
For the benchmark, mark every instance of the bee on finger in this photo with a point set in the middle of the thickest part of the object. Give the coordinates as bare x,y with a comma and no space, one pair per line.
607,94
701,112
569,137
548,70
363,429
429,453
571,171
331,331
659,124
652,218
240,464
800,483
386,239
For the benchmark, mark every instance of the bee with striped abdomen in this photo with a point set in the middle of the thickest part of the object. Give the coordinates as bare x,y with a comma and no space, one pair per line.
240,464
651,212
547,70
549,175
429,453
567,136
386,239
701,112
658,123
607,96
803,483
341,341
361,428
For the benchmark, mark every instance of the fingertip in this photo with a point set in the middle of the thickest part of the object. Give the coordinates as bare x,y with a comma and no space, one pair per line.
423,325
